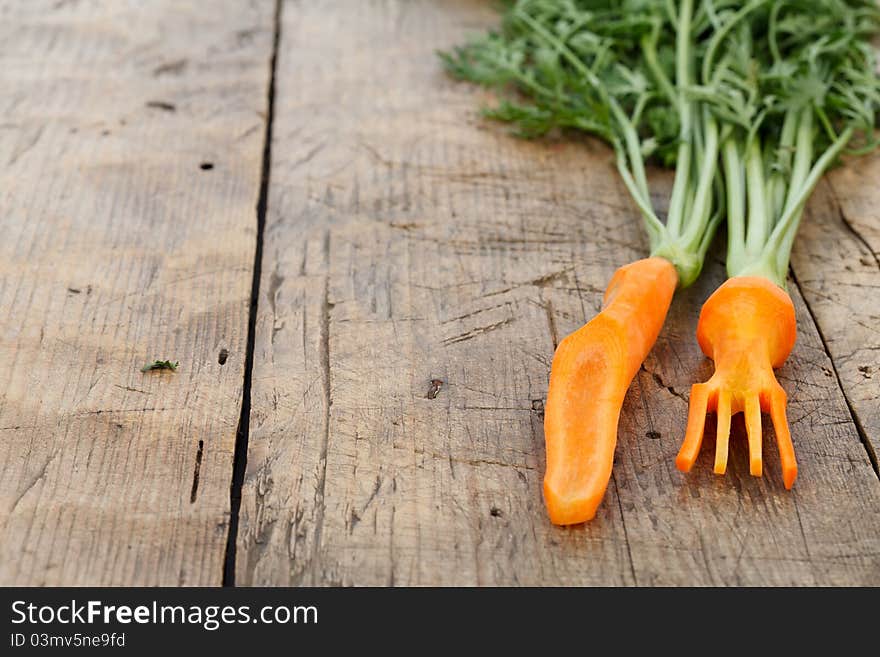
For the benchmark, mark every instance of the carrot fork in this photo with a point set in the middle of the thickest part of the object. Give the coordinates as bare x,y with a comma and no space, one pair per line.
748,328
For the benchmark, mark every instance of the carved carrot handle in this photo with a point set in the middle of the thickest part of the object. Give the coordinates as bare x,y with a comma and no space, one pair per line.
591,371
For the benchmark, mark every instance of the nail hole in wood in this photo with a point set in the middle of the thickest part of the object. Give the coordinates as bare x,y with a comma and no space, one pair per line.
538,407
163,105
434,390
224,354
206,166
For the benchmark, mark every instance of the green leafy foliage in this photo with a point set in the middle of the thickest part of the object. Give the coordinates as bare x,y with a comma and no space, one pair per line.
545,90
795,83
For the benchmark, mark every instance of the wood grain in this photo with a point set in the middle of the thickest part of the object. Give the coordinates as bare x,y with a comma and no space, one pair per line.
419,267
837,263
131,137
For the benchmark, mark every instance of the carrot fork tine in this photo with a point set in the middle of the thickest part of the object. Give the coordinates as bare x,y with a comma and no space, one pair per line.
783,436
696,425
753,429
723,433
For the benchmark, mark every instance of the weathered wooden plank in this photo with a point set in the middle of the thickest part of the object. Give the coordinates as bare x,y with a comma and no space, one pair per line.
837,263
130,158
408,242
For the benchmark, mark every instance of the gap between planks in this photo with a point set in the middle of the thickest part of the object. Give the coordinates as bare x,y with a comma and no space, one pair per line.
239,460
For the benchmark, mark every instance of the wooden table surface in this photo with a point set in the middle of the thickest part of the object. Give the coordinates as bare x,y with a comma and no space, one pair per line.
162,162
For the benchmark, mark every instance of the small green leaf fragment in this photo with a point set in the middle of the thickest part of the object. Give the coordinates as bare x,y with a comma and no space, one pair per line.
161,365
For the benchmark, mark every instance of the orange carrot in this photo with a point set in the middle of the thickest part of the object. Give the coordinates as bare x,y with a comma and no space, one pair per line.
748,328
591,371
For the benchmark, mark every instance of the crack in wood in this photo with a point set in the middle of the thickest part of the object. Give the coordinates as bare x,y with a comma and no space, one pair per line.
860,429
629,554
239,460
551,324
198,466
328,402
30,485
662,384
849,226
480,330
